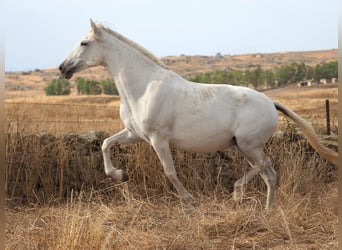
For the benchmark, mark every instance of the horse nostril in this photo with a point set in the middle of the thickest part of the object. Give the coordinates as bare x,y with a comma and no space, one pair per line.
60,67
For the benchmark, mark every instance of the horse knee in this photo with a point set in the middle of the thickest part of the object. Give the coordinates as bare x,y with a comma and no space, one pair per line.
105,145
270,176
273,178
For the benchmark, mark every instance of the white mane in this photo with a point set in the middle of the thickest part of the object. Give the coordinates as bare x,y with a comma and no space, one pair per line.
134,45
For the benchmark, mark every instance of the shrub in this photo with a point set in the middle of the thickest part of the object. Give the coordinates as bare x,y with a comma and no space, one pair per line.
92,87
88,87
58,87
109,87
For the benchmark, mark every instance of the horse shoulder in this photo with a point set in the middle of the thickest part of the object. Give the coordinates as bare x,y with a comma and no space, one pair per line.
155,107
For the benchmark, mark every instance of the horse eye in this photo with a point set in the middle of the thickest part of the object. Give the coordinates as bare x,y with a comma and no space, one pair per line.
84,43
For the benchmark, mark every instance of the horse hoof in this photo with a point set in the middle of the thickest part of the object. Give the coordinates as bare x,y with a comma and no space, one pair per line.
118,175
188,198
124,176
238,196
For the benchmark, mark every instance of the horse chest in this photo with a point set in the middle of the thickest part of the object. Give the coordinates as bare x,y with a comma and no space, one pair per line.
132,121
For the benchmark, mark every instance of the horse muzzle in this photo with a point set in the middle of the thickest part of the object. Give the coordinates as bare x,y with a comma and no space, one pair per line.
68,68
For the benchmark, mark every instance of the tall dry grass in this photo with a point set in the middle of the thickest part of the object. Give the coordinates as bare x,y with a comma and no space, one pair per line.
59,198
60,116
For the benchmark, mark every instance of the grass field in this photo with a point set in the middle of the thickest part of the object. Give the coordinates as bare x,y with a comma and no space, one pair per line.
145,212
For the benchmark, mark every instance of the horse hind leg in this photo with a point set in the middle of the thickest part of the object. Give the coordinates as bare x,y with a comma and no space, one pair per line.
260,164
269,176
240,184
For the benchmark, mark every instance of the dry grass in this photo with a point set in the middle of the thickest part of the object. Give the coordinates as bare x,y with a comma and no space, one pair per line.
60,115
59,198
309,102
89,223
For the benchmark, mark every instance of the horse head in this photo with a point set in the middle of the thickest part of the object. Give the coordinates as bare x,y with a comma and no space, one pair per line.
87,53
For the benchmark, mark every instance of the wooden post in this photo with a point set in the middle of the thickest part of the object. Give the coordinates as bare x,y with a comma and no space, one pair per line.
327,115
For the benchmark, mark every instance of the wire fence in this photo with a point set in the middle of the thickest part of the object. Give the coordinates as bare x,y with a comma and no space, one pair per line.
61,118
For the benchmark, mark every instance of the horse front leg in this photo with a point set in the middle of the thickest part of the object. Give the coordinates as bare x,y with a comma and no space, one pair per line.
122,137
162,148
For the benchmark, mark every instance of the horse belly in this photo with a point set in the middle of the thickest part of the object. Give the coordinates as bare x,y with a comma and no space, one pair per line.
202,141
203,127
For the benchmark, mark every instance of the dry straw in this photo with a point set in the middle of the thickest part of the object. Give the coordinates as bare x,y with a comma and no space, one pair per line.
59,197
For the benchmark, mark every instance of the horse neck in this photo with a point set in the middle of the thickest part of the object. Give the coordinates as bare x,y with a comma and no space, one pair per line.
132,71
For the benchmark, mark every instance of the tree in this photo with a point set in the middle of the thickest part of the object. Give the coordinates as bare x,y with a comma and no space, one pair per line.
256,77
287,74
300,72
58,87
310,72
283,75
330,70
325,71
269,78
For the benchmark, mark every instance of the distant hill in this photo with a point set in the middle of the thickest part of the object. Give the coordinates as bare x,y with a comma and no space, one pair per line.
32,83
192,65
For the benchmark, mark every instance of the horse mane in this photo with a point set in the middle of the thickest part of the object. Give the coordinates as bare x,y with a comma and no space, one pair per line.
134,45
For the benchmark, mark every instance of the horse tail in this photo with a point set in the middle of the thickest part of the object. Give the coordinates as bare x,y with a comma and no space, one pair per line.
309,133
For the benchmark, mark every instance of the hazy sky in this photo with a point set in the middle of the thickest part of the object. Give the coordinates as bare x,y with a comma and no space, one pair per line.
39,34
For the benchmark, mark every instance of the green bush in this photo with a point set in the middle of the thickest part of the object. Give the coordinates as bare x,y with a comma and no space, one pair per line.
88,87
58,87
109,87
92,87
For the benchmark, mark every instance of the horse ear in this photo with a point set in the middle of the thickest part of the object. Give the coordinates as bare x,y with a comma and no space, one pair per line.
94,28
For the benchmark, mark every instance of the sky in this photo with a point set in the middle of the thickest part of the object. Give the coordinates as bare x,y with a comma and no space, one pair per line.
39,34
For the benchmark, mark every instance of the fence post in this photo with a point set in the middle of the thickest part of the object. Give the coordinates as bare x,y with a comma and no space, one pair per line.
327,111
